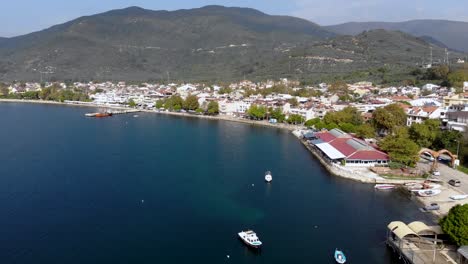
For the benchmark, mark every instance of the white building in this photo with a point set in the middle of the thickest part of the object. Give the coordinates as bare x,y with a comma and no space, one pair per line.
419,114
227,107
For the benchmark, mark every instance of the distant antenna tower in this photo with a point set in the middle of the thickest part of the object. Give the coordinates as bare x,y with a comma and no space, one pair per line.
430,61
447,57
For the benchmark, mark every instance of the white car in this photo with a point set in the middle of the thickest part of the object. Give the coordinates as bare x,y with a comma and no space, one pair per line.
436,173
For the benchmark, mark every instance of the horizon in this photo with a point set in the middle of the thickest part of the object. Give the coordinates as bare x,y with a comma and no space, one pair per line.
312,11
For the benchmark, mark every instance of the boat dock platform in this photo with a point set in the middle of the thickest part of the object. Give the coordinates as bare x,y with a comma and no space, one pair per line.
417,243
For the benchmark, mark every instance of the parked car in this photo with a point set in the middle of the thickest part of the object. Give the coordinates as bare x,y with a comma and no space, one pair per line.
431,207
455,182
427,156
436,173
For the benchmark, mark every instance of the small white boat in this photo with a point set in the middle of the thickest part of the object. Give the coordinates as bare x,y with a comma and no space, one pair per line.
339,256
250,238
428,193
384,186
268,177
427,187
459,197
135,115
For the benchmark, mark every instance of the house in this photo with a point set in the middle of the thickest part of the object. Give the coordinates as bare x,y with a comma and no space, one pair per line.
457,99
339,147
419,114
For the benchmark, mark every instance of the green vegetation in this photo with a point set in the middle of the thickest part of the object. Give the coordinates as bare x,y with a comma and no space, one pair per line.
159,104
174,102
400,147
191,103
277,113
455,224
365,131
213,108
389,118
425,134
132,103
295,119
257,112
53,93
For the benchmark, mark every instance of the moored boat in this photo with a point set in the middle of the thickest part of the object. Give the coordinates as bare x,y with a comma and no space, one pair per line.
250,238
339,256
459,197
99,114
268,177
384,186
428,193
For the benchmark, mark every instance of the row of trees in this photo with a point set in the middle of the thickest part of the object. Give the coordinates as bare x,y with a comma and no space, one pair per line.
176,103
260,112
52,93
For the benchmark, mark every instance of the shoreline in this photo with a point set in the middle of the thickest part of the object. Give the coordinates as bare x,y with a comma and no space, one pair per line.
354,174
217,117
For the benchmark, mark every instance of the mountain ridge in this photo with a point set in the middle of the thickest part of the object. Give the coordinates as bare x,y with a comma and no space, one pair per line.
454,34
208,43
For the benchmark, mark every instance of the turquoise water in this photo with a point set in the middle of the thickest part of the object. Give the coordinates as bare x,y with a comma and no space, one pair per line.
162,189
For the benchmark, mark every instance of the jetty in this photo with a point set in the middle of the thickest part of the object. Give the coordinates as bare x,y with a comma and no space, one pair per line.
417,243
113,112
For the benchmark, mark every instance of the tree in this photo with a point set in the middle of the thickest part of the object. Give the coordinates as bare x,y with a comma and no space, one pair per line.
257,112
131,103
4,90
191,103
400,147
349,115
293,102
213,108
424,134
159,104
224,90
457,78
365,131
455,224
447,139
312,122
339,87
277,113
295,119
174,102
390,117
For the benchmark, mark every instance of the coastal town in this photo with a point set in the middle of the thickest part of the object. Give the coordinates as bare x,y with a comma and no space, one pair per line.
321,116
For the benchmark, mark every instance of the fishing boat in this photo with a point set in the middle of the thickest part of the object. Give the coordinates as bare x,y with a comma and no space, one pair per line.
340,257
459,197
428,193
250,238
384,186
268,177
99,114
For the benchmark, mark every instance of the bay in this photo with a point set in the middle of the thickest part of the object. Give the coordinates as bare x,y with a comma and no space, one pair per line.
164,189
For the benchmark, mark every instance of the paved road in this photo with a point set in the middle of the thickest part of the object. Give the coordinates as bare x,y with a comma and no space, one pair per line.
447,173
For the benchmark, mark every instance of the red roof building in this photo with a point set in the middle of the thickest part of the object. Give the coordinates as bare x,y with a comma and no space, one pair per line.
338,146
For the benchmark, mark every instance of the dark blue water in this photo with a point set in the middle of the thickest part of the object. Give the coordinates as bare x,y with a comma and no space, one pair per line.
160,189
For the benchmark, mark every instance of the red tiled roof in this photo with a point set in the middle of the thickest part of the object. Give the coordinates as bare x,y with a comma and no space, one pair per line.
343,147
325,136
368,155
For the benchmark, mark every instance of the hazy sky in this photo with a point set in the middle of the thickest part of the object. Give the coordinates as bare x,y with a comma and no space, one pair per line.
24,16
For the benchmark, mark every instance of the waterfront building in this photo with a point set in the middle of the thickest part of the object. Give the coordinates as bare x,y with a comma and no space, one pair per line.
342,148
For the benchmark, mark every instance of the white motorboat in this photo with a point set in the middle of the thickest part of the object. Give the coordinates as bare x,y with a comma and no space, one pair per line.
428,193
459,197
384,186
250,238
268,177
427,187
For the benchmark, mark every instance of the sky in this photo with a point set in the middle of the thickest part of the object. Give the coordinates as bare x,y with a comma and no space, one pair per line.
25,16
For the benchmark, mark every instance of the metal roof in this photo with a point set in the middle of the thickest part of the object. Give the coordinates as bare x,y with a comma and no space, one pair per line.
463,250
330,151
400,229
420,227
338,133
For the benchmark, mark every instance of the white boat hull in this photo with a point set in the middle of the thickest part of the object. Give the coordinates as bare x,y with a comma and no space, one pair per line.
429,193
